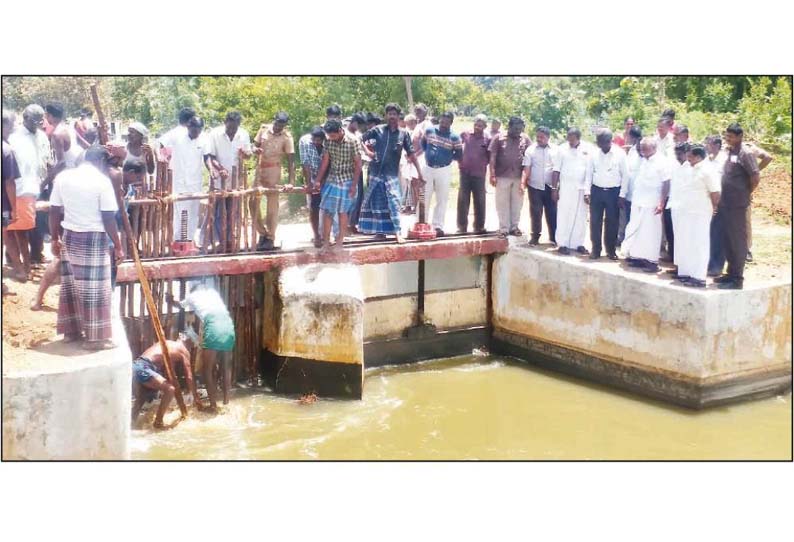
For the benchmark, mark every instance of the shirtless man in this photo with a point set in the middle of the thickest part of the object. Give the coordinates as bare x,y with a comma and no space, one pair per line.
67,154
147,379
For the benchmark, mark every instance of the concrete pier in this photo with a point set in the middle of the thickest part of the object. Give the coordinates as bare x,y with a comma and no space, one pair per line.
65,403
643,333
313,329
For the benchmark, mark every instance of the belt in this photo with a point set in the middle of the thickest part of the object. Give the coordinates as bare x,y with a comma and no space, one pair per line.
439,167
606,187
269,164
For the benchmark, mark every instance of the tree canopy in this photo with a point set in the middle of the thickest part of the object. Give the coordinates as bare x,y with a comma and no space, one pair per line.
762,104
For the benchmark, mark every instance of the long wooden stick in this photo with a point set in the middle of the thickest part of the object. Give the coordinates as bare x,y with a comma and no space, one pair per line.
158,329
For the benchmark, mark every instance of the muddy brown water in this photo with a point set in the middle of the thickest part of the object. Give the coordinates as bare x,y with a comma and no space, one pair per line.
475,408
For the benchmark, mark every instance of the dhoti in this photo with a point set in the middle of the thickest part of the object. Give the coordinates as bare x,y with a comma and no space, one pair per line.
691,243
643,234
192,208
571,216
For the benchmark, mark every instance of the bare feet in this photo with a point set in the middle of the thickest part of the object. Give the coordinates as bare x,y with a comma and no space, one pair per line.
160,426
72,337
326,248
96,346
6,291
35,305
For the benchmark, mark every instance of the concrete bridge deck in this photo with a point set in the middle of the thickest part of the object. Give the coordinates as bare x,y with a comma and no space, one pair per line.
360,252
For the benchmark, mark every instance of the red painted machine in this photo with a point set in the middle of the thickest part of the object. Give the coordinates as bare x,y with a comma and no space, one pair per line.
421,230
185,246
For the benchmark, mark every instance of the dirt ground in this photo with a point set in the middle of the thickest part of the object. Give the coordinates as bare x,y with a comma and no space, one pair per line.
22,327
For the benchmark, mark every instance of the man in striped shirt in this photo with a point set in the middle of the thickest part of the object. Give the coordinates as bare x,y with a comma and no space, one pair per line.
441,146
310,147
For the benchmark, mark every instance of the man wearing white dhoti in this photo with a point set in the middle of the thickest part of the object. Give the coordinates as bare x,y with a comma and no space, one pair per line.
696,198
651,188
569,174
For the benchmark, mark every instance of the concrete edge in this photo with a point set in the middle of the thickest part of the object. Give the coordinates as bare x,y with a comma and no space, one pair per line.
690,393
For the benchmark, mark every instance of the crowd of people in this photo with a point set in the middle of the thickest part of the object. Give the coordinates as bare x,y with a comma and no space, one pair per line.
650,195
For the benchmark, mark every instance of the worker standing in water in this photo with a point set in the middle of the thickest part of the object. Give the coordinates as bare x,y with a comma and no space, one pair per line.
148,379
216,335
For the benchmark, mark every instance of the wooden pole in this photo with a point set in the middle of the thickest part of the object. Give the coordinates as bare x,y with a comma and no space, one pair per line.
144,281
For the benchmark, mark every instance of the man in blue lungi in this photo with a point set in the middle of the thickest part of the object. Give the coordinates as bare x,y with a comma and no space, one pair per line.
380,211
342,163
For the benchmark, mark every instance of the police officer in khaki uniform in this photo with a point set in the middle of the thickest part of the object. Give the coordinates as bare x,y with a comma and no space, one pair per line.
272,143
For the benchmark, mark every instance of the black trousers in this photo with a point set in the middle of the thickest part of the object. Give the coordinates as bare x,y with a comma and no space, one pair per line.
37,234
668,233
604,201
471,187
717,249
539,202
625,217
734,238
359,200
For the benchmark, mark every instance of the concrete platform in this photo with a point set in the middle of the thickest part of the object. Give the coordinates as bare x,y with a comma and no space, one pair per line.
61,402
602,321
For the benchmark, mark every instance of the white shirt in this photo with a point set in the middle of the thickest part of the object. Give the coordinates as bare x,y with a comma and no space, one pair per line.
652,173
541,160
665,145
633,160
187,161
205,301
718,163
694,194
608,169
83,192
168,138
225,150
33,154
572,163
681,175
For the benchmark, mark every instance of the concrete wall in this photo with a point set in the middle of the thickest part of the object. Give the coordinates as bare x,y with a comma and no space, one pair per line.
645,323
62,402
455,295
313,328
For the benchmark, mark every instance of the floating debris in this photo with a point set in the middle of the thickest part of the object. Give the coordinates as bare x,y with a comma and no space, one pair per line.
307,399
480,352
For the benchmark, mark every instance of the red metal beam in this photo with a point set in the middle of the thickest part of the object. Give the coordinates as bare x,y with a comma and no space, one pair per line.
201,266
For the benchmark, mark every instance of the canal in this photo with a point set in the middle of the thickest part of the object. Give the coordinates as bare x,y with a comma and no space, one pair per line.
474,408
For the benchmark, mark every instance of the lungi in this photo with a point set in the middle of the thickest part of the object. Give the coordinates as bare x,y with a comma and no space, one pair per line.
571,215
84,304
691,243
643,234
26,214
336,197
380,210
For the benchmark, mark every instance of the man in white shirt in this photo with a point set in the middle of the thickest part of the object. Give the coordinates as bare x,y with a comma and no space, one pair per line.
680,170
716,161
606,176
188,154
651,188
167,140
568,187
633,159
228,147
537,177
665,140
32,149
83,203
696,198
